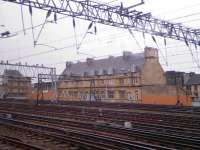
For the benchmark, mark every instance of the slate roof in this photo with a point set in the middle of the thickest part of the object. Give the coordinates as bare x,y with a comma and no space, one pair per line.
194,80
119,64
14,73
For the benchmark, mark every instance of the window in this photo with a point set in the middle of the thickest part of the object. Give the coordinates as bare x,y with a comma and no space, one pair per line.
105,72
70,93
130,81
110,94
188,87
62,93
114,71
121,81
122,94
135,80
195,87
97,95
85,74
136,95
130,96
96,72
102,81
75,94
65,93
103,94
110,82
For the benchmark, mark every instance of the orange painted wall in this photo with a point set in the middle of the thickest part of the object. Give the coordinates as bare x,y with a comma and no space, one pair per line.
50,95
166,100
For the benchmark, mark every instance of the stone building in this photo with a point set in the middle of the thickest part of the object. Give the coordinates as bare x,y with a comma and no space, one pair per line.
47,91
15,85
193,88
135,78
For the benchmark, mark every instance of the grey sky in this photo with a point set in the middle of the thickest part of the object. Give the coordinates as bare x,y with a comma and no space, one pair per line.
108,41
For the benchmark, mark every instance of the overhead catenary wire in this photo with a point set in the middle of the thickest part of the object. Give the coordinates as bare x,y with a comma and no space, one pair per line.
22,17
62,48
132,34
37,26
178,9
84,36
154,39
166,55
32,27
75,36
196,61
186,16
38,36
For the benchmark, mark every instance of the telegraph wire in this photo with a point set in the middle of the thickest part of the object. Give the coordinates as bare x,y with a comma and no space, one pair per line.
177,10
37,26
189,15
62,48
51,21
185,16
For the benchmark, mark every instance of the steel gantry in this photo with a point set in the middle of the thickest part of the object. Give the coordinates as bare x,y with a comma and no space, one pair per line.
26,70
31,71
116,16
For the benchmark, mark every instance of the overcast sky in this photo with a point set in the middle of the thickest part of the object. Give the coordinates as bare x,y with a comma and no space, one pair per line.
108,41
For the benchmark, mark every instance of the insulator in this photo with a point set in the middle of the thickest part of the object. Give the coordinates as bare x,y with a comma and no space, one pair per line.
55,17
74,23
186,42
195,46
48,13
165,41
154,39
143,34
90,25
30,10
95,29
121,7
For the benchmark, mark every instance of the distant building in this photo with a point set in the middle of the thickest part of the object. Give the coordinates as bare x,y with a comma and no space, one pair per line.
2,93
189,82
193,88
47,91
15,85
135,78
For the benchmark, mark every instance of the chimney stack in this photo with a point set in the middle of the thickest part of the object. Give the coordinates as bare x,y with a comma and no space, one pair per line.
89,61
151,53
126,55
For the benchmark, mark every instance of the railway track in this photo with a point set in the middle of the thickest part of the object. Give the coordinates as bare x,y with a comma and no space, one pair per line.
115,115
117,105
154,131
7,143
167,137
92,140
125,106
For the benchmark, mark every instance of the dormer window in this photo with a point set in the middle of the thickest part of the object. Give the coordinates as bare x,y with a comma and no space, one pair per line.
96,72
85,74
105,72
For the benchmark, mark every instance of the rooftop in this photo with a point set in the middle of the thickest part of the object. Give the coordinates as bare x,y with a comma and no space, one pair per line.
14,73
194,80
129,62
